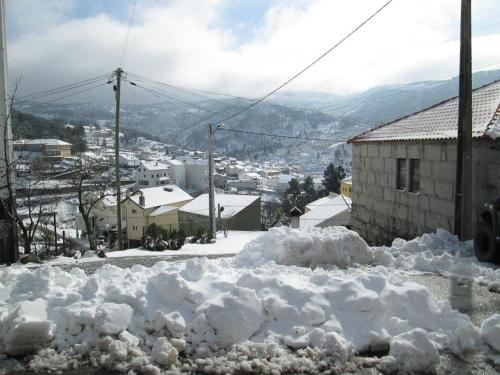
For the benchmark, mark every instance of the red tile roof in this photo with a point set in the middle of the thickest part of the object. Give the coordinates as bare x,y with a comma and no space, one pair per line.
440,120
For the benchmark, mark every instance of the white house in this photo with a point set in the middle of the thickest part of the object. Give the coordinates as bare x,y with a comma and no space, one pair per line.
177,172
332,210
197,174
152,174
128,159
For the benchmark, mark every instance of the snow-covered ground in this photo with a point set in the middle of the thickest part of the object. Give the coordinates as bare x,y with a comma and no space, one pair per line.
323,294
230,245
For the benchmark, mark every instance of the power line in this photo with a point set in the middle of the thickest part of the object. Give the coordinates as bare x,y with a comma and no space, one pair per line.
60,89
308,66
128,33
276,135
68,96
161,93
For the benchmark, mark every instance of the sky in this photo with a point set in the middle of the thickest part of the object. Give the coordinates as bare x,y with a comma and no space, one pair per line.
245,47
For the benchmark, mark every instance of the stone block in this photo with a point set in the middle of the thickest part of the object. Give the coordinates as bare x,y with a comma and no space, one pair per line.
371,176
442,207
425,168
386,150
380,207
372,151
390,165
389,195
415,151
426,186
444,190
423,202
444,170
366,163
401,212
378,164
401,150
363,149
451,152
433,151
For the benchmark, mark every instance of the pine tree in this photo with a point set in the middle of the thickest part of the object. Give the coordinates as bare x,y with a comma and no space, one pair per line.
310,191
332,177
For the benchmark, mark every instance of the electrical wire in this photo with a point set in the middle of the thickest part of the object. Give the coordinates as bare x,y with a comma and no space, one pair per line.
308,66
275,135
68,96
128,34
60,89
160,93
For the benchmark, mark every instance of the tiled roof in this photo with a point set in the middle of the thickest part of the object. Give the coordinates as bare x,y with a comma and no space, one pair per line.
440,121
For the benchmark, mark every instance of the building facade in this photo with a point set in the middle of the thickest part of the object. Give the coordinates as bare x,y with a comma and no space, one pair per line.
46,147
152,174
404,172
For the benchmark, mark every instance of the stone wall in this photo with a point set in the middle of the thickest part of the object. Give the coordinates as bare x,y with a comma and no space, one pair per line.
380,212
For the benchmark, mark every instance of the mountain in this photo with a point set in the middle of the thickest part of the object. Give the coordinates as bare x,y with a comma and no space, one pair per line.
385,103
180,117
177,123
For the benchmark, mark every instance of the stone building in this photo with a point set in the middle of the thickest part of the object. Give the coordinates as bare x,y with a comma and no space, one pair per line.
404,171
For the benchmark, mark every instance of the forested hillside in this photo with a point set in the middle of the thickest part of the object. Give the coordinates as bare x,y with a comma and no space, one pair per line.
29,127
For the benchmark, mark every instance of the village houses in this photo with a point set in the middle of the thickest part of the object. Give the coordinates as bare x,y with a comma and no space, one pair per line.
157,205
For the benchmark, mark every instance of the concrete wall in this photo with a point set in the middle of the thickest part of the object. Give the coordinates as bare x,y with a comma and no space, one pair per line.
380,212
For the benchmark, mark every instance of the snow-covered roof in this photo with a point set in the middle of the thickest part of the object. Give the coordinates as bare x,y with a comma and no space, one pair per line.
174,162
128,155
47,142
324,209
232,204
441,120
347,180
161,196
162,210
154,165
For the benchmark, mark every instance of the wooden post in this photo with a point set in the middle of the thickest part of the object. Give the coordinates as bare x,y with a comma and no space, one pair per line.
463,184
117,88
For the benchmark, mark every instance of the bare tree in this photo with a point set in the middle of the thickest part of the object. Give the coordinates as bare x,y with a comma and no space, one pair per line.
91,189
29,217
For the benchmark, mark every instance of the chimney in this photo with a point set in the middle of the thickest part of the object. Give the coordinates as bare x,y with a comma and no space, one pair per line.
142,200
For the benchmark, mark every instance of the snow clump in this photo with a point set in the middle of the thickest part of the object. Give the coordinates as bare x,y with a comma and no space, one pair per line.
440,252
328,246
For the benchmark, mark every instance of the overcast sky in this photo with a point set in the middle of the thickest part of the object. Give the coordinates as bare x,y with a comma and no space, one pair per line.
245,47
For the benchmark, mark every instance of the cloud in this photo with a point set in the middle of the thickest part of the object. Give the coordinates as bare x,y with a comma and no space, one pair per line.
179,41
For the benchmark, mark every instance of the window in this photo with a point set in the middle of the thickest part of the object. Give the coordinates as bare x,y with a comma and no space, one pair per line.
401,174
136,227
134,211
414,185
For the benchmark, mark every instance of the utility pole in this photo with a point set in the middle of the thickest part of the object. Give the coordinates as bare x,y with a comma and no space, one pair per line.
117,89
9,252
463,184
211,189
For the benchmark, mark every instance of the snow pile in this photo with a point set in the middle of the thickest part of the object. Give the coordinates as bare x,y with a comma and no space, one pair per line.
247,313
144,318
439,252
333,245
